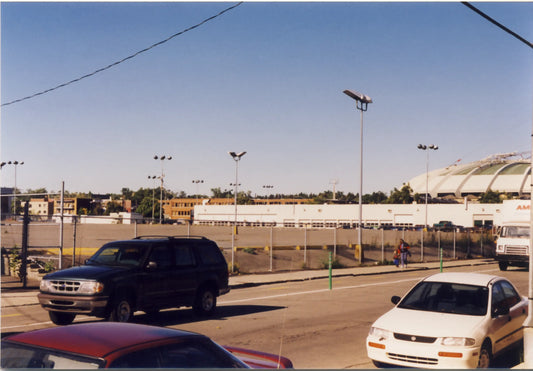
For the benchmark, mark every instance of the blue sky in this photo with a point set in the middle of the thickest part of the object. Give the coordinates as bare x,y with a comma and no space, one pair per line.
266,78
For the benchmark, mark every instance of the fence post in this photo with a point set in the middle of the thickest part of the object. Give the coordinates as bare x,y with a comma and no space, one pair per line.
24,252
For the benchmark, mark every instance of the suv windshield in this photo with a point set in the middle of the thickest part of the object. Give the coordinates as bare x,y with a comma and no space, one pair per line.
447,297
119,254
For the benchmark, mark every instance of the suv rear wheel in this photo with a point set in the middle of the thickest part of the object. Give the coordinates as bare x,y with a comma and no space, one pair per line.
205,302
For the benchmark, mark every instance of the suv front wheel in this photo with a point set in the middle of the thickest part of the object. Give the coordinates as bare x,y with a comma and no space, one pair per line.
121,311
205,302
61,319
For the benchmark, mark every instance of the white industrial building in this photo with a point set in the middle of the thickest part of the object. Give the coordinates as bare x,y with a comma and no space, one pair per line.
507,173
327,216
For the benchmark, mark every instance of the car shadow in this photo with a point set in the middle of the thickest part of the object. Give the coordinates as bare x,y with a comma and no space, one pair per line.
187,315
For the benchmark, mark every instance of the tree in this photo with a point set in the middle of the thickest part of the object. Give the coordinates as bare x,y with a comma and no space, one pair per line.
113,207
375,198
490,197
145,207
402,196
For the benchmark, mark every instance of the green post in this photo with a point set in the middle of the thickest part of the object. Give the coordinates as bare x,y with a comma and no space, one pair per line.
330,283
440,250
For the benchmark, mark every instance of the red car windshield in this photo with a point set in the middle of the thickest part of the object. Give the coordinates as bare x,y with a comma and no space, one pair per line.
27,356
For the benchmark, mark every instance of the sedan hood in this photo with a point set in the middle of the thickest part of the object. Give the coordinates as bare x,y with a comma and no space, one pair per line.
432,324
85,272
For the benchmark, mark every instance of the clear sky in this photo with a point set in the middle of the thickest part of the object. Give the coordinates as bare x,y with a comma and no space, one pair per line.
266,78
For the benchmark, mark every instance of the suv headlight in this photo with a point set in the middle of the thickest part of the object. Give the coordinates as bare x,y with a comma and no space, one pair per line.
458,341
380,333
45,285
91,287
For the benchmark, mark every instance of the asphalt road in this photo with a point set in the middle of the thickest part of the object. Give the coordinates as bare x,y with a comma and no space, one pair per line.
306,321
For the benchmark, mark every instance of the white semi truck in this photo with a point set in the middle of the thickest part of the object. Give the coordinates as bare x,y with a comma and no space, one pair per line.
512,246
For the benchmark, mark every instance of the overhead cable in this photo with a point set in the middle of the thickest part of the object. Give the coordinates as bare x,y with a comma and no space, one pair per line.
124,59
497,24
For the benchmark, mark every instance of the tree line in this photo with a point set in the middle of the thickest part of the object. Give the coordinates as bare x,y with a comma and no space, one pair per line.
145,201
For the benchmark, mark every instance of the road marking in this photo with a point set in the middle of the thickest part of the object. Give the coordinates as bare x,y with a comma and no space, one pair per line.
318,291
381,283
10,315
28,325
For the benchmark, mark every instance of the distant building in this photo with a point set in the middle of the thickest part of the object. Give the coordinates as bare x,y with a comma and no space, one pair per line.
41,207
183,208
71,205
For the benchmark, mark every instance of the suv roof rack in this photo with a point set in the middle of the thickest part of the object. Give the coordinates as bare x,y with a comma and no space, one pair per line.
168,237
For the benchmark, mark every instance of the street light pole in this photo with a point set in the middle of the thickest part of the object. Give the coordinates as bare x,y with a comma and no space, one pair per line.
362,105
15,188
236,157
162,158
153,195
197,181
427,148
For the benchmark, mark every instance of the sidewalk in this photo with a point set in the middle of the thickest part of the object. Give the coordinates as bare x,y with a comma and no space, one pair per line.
13,295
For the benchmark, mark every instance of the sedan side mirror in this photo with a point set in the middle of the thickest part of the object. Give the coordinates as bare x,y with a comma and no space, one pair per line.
500,311
395,299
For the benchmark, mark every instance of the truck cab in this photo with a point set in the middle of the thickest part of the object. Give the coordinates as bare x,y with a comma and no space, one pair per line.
512,245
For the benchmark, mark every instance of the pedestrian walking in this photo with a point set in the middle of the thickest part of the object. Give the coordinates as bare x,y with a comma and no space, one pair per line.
403,251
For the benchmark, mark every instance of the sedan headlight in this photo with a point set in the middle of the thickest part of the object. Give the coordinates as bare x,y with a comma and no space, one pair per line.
380,333
91,287
458,341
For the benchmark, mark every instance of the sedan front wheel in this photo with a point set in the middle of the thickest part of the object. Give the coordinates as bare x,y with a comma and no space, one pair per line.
485,356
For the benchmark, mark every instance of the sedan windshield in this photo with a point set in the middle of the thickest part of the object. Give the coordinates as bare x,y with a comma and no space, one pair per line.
119,254
26,356
445,297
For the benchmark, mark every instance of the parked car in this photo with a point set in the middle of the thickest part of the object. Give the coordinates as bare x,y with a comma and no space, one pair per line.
444,225
449,320
145,273
125,345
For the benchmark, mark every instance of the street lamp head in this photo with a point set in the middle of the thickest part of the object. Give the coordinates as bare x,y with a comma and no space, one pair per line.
237,156
156,157
433,146
169,158
422,146
358,96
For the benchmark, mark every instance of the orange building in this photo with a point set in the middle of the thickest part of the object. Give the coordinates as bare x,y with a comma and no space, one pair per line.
183,208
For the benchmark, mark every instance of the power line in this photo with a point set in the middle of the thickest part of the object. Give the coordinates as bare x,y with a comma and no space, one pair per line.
497,24
124,59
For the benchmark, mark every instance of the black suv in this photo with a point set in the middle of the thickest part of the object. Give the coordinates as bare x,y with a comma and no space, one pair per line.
147,273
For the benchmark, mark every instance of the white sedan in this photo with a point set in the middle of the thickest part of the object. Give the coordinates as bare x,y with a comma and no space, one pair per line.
449,320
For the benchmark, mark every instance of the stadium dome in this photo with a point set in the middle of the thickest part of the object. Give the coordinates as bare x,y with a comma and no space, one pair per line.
507,173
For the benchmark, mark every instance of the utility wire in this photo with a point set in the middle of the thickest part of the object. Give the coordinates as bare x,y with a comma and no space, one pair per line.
497,24
124,59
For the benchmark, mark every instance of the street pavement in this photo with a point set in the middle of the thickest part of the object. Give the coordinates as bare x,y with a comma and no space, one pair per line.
14,294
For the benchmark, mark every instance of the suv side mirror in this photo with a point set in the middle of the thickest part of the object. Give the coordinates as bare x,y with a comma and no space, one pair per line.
151,265
395,299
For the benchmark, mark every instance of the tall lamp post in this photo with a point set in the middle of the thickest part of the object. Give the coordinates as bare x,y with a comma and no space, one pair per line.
361,103
423,147
161,158
237,158
16,163
197,182
154,177
268,186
